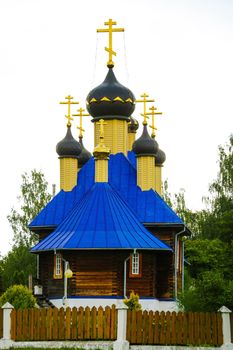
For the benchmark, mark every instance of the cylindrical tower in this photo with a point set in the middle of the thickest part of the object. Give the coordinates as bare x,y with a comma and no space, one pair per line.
68,150
145,149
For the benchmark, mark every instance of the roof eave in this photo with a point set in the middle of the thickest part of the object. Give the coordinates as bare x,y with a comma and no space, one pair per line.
44,228
54,249
187,231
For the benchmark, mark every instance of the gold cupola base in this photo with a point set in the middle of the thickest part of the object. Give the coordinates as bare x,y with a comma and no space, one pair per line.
115,135
146,173
68,173
101,154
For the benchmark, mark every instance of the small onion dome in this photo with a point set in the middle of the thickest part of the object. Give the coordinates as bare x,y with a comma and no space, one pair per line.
145,145
160,157
68,147
133,125
84,156
110,100
101,151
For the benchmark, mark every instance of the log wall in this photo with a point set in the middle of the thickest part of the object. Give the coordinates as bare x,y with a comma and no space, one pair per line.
101,273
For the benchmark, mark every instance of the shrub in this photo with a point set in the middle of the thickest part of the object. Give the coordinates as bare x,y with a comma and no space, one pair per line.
133,302
19,296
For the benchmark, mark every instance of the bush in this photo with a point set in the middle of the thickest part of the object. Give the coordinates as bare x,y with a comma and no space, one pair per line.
19,296
133,302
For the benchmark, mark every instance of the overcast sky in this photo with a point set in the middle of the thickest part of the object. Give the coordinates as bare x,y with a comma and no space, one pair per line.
178,51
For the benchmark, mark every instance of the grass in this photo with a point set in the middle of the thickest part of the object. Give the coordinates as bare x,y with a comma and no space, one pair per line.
63,348
30,348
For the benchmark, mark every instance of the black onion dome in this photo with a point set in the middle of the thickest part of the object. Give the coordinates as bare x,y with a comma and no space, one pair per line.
145,145
68,146
133,125
110,100
84,156
160,157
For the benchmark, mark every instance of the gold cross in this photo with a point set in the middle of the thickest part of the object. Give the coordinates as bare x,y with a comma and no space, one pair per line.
101,123
69,102
144,100
81,115
110,30
153,113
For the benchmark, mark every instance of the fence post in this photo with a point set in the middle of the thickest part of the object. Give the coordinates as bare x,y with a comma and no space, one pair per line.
226,328
121,343
7,308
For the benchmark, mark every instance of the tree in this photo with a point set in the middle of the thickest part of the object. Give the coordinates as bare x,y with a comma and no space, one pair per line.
16,266
33,198
209,251
219,221
19,296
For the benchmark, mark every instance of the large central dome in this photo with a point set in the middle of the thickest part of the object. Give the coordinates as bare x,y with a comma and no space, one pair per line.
110,100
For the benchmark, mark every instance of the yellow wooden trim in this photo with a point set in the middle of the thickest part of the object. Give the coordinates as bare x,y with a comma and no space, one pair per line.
118,98
55,276
105,99
68,173
146,172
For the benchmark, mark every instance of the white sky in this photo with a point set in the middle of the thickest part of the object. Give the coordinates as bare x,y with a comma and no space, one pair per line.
179,51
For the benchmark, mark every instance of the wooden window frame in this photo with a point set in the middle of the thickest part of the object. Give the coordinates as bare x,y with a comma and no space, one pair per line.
139,274
55,275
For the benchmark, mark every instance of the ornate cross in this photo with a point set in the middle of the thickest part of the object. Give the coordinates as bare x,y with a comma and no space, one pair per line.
69,102
101,123
144,100
81,115
110,30
153,113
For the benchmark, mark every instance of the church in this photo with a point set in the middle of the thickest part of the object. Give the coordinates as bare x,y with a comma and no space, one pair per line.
109,231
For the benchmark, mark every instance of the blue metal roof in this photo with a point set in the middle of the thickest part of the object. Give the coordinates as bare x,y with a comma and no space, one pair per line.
147,205
101,220
57,209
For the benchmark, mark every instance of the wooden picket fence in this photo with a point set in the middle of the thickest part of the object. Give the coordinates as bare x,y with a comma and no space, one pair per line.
64,324
143,327
173,328
1,323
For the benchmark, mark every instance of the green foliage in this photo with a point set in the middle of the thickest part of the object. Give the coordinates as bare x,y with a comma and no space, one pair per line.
209,250
203,255
19,263
208,293
19,296
133,302
33,198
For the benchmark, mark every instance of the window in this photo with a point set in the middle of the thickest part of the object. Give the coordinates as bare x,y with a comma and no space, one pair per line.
57,272
135,269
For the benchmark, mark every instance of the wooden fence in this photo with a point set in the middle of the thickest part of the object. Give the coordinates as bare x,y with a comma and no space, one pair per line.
1,323
173,328
143,327
64,324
